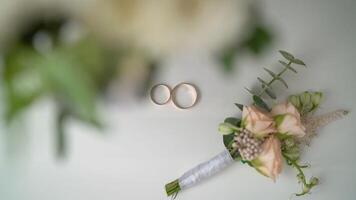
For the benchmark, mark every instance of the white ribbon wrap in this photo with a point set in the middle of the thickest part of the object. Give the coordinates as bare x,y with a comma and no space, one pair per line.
205,170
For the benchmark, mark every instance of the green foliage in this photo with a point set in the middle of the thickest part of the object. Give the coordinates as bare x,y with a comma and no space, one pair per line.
287,66
306,185
228,139
234,121
307,102
266,86
259,38
62,73
291,153
229,126
291,58
71,75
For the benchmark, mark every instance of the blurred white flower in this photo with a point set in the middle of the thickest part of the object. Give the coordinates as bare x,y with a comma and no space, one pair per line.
163,27
15,15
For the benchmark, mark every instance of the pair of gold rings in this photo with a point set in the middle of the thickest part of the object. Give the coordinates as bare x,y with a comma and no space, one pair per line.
171,95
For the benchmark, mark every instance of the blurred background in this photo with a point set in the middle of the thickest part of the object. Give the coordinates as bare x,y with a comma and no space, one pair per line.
76,52
76,120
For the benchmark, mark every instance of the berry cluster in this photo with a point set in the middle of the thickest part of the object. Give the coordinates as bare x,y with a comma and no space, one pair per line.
248,146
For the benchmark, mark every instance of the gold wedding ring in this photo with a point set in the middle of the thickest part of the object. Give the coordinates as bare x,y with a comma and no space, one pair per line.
172,95
193,91
153,97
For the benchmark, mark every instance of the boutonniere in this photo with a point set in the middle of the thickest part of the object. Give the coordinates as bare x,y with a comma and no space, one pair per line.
265,136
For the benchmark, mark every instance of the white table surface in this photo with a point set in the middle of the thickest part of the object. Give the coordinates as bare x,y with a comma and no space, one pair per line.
145,146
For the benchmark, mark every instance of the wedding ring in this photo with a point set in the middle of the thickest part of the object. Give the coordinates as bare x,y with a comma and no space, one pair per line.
155,99
193,92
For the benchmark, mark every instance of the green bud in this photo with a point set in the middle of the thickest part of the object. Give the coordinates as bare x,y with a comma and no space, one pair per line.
226,128
305,98
295,101
308,108
314,181
317,98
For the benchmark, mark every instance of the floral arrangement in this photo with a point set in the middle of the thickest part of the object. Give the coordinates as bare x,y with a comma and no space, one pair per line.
264,136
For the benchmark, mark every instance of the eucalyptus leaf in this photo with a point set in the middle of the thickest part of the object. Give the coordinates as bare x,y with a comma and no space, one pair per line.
298,61
282,81
270,72
260,103
287,55
287,66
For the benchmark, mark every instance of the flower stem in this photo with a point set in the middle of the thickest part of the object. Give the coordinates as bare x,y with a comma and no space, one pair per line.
173,188
306,186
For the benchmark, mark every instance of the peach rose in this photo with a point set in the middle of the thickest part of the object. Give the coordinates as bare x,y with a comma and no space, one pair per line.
269,162
288,119
257,121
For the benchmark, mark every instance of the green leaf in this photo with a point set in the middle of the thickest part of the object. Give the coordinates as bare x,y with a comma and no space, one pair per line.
287,55
227,139
18,79
16,103
227,59
270,72
240,106
283,81
299,62
260,103
233,120
258,39
70,82
287,66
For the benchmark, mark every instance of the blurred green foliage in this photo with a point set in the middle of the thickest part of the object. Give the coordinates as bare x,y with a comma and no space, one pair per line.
258,38
71,74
